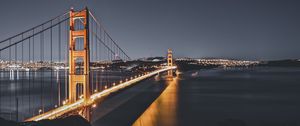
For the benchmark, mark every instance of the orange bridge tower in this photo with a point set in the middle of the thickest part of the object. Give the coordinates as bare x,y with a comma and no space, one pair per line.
79,58
170,64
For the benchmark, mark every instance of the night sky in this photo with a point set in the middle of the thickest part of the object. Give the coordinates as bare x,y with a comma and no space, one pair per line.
243,29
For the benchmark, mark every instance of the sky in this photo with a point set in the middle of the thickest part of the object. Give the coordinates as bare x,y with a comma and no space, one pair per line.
239,29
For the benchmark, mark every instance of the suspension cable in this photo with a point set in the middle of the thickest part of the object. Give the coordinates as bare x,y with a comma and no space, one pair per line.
43,29
104,30
34,27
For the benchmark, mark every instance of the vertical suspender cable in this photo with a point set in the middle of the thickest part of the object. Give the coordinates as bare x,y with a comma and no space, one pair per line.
92,57
16,85
42,69
100,78
10,75
29,80
97,72
66,58
51,62
22,72
111,47
59,59
34,72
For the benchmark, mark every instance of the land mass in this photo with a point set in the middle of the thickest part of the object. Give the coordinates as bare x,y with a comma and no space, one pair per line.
75,120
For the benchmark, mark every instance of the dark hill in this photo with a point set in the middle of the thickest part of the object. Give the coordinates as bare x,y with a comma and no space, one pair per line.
67,121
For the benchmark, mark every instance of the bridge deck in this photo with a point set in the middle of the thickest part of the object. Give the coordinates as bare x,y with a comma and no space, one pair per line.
80,103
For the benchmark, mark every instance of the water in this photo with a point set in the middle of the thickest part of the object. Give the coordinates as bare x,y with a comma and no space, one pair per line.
216,97
228,97
24,94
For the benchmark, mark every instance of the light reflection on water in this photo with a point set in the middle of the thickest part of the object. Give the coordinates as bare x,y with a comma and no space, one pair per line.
163,111
24,93
261,96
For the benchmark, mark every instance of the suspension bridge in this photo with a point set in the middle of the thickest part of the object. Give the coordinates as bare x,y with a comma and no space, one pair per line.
64,66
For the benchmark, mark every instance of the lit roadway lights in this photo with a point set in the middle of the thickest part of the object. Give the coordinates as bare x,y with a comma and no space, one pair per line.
67,107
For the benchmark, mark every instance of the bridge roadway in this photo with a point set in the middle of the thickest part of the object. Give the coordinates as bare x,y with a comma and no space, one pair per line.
80,103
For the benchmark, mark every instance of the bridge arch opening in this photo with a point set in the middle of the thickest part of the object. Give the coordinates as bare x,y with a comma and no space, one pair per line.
79,23
79,67
79,91
79,43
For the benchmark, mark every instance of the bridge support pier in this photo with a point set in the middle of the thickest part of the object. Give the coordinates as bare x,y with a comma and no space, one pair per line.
85,112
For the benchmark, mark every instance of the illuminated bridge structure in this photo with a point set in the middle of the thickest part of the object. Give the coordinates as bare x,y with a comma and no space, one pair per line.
65,66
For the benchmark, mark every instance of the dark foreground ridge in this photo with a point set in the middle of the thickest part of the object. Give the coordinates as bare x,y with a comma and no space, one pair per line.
75,120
